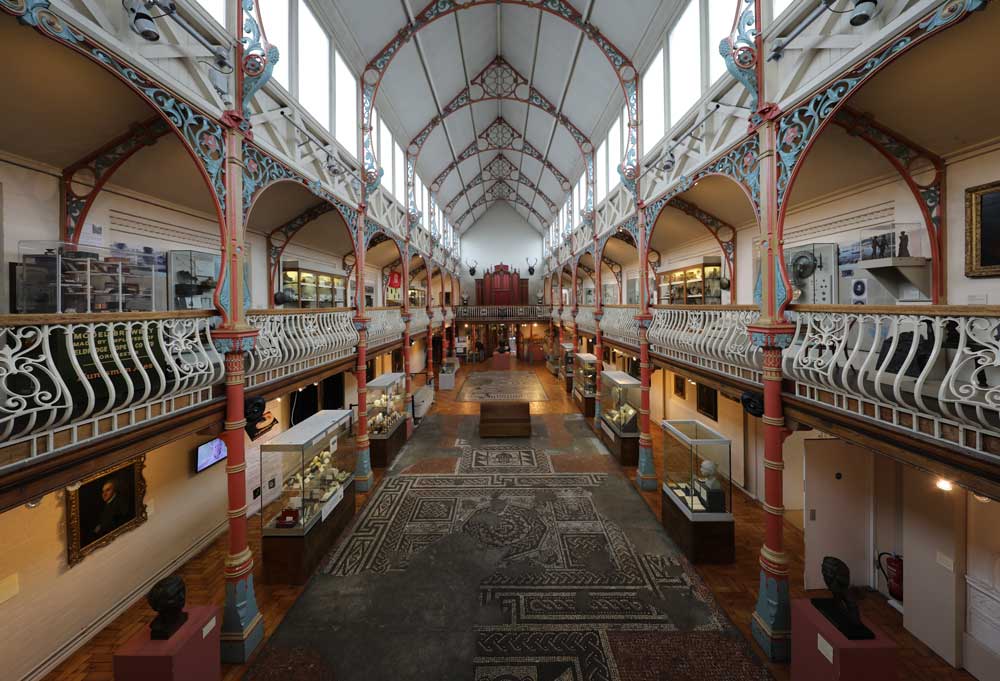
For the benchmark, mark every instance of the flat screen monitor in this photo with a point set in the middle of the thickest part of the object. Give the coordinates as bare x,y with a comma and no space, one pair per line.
209,454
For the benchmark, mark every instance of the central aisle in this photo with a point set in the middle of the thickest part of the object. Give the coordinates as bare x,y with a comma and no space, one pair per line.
525,559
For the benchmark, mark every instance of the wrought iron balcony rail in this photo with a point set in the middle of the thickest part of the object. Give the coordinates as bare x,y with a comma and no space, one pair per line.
291,341
473,313
619,325
712,337
68,379
585,319
934,371
419,321
385,325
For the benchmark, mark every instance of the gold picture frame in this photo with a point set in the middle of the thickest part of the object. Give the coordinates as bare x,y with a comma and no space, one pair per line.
982,256
103,506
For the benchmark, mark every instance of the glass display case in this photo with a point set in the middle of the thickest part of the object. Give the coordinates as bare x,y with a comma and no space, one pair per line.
552,357
57,277
418,297
386,412
697,464
310,482
696,503
585,382
309,288
695,285
191,279
620,400
566,365
446,375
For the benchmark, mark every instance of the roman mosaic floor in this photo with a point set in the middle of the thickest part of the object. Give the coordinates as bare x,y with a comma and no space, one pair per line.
489,386
506,560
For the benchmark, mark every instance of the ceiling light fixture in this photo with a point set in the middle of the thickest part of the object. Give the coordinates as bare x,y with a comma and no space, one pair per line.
945,485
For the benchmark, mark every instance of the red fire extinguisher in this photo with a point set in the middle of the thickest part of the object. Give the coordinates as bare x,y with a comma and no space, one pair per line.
893,573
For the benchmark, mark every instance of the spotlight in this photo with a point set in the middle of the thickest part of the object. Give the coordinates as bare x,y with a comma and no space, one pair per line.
669,162
140,20
863,12
944,485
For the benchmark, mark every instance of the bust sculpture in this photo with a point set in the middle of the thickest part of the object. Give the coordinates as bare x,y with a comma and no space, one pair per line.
167,598
841,610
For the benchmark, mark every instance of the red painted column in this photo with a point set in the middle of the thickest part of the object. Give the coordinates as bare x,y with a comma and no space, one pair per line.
430,347
408,387
646,473
363,466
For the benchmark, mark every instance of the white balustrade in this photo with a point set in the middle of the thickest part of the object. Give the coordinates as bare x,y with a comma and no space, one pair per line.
437,318
449,315
385,325
67,379
502,312
713,338
291,341
619,324
934,371
567,316
419,321
585,319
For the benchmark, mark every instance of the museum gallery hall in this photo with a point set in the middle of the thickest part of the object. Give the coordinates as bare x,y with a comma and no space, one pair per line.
499,340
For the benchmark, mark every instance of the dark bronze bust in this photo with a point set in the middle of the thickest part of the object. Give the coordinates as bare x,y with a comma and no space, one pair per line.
841,610
167,598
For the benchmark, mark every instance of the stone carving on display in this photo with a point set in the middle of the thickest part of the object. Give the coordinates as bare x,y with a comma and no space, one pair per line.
841,610
167,598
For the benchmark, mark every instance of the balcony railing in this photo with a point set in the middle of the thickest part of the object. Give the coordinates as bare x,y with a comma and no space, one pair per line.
501,312
291,341
437,318
619,324
567,316
449,315
419,321
67,379
385,325
932,370
710,337
585,319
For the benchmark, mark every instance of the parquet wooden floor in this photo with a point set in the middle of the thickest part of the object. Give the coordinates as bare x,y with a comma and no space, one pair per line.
734,586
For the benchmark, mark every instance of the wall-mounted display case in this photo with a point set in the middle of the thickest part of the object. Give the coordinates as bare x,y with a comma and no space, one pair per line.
317,497
695,285
386,413
585,382
566,367
620,401
697,491
307,288
57,277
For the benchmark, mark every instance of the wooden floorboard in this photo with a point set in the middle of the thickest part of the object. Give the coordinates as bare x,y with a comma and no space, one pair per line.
734,586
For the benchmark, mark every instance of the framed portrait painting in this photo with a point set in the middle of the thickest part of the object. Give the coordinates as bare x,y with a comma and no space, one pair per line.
982,230
104,506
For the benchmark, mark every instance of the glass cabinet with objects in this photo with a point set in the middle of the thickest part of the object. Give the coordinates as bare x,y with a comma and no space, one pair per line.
585,382
552,356
697,491
694,285
620,401
191,279
309,288
566,365
311,463
386,412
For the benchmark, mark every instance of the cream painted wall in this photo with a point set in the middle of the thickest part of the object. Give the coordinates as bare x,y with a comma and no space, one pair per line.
501,236
58,607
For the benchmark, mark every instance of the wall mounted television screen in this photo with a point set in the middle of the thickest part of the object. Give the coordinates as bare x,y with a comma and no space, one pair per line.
209,454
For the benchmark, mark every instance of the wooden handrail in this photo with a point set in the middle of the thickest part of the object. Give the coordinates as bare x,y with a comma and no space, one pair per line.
747,308
303,310
388,307
933,310
100,317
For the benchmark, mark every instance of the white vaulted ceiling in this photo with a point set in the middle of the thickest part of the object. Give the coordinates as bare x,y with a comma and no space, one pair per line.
551,55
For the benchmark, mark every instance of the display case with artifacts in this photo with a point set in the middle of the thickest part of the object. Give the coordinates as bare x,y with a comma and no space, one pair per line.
447,373
699,284
585,382
892,257
309,288
697,491
620,401
317,494
191,279
812,269
553,358
386,412
566,366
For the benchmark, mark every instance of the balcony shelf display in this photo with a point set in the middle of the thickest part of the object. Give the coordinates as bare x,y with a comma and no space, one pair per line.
446,376
620,401
308,288
57,277
585,382
386,412
191,279
697,285
566,367
697,491
317,497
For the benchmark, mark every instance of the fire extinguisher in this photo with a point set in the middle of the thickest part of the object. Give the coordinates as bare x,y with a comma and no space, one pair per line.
893,573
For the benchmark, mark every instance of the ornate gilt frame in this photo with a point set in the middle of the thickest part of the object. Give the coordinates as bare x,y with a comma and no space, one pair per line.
973,232
76,553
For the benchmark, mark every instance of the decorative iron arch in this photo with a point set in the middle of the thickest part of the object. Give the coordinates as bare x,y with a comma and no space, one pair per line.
500,191
500,81
371,78
501,168
798,128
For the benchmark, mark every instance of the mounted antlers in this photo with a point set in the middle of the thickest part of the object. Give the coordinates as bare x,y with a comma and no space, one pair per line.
472,267
531,265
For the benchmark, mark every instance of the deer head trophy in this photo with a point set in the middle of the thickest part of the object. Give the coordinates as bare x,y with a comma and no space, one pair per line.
531,265
472,267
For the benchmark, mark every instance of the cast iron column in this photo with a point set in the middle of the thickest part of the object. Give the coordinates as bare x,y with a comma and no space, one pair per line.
363,466
646,474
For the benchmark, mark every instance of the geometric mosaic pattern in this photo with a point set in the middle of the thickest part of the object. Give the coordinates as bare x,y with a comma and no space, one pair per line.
503,459
502,386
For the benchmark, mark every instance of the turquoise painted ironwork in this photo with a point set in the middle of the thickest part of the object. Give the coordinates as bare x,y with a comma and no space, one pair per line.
739,51
259,59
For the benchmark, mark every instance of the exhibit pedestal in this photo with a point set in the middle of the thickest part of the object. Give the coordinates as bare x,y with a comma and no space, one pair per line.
385,449
821,653
703,537
193,652
624,449
500,361
290,557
